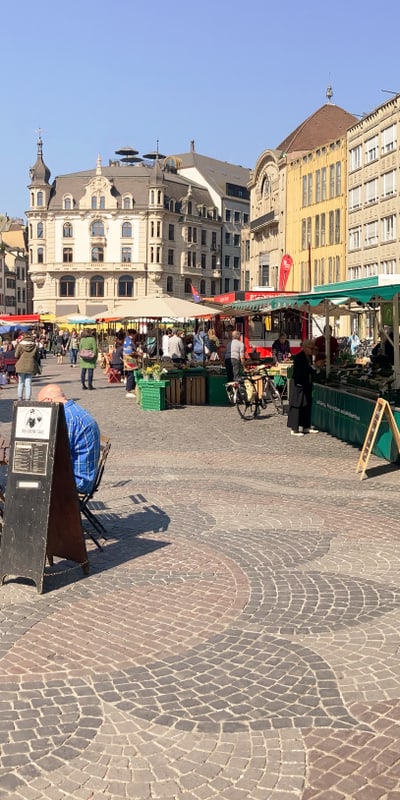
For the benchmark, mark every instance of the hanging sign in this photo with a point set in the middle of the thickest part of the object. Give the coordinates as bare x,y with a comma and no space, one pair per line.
284,271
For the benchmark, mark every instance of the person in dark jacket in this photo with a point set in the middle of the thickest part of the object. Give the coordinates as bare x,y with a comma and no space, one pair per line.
300,394
26,365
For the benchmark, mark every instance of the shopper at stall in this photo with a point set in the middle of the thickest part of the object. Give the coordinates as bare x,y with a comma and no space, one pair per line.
130,358
176,348
354,343
320,347
281,348
201,346
234,357
300,393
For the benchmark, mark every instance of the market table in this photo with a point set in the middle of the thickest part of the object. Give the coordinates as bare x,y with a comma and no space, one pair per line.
347,416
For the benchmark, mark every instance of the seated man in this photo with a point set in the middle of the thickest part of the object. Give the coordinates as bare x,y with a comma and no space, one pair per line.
83,435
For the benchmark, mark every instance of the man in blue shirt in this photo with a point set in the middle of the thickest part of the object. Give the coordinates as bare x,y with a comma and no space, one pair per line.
83,435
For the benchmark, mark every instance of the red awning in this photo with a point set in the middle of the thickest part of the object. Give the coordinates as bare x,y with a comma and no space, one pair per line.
24,319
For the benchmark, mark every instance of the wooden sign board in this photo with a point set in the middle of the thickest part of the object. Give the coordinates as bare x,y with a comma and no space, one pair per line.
382,408
41,511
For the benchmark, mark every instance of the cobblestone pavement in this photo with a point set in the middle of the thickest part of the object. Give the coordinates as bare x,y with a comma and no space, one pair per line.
237,638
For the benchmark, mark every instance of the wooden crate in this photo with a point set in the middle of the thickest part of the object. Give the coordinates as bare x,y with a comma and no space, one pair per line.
195,390
174,392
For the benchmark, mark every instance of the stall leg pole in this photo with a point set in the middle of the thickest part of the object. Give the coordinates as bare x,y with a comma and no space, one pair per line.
327,338
396,340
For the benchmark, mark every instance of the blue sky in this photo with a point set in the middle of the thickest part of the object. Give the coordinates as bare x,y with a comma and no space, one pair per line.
236,77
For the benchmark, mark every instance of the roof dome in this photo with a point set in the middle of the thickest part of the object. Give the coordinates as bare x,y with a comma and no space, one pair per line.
40,172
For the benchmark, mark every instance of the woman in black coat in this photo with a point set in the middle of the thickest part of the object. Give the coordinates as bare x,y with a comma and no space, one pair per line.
300,395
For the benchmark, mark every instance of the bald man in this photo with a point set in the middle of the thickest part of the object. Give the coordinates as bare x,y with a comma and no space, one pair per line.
83,435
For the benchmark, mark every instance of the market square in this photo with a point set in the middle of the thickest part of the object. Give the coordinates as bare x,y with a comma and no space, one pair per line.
236,638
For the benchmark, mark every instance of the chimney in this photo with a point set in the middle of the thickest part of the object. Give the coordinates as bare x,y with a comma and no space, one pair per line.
192,145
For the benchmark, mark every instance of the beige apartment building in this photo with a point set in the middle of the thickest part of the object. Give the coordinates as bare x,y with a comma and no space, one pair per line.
126,230
373,197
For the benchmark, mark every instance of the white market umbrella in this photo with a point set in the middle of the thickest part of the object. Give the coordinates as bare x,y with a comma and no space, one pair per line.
158,308
81,319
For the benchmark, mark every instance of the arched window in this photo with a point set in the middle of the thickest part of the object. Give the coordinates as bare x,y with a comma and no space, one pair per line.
188,286
170,284
39,231
126,202
39,198
97,286
202,287
126,230
40,255
94,201
30,231
266,187
97,254
67,230
67,203
67,255
125,286
97,228
67,286
172,205
102,201
152,197
159,197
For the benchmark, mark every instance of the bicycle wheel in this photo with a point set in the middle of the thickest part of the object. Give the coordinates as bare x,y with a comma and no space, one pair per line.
246,408
275,397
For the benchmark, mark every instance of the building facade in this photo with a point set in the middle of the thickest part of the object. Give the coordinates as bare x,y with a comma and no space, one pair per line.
373,193
102,236
15,285
298,204
228,187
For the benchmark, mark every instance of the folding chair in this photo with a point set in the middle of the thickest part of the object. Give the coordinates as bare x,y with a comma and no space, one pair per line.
114,375
84,499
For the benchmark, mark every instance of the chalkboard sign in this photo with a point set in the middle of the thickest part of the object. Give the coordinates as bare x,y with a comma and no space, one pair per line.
41,512
382,408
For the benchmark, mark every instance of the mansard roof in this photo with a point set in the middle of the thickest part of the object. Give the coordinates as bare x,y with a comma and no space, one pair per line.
327,123
217,173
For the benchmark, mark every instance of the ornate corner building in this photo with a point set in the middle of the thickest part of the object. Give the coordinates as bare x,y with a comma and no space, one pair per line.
126,230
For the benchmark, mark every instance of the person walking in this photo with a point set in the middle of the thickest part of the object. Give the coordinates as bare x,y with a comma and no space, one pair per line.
130,359
73,346
300,393
87,357
234,357
26,366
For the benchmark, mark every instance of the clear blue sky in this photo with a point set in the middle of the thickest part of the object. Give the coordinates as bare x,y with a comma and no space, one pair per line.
235,76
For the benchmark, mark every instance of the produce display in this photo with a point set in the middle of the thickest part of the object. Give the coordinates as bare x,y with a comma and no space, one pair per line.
367,379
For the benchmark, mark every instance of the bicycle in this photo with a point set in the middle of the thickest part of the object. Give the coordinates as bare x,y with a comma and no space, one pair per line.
249,397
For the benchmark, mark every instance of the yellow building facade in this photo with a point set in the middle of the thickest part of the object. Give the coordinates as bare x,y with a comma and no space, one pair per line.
316,216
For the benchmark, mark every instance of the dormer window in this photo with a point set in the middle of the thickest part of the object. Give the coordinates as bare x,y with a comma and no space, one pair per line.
127,202
190,207
67,203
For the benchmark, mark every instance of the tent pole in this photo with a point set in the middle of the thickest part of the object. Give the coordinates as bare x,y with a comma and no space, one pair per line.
396,339
327,338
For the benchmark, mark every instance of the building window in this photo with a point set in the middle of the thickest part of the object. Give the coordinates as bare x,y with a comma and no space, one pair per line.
188,286
67,255
39,198
318,186
102,201
338,171
309,189
227,238
125,286
39,230
170,257
203,261
94,201
67,230
228,215
204,238
171,233
371,233
236,262
190,207
237,216
227,261
126,255
213,240
389,228
202,288
389,139
323,242
67,286
226,285
371,149
355,238
67,203
96,286
388,267
337,226
371,191
213,288
97,254
317,230
97,228
323,183
191,259
245,219
331,227
236,240
388,184
126,230
355,198
40,255
355,158
304,191
331,182
236,285
170,284
126,202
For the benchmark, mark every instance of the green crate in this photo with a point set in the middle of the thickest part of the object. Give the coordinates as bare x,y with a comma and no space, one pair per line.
153,395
